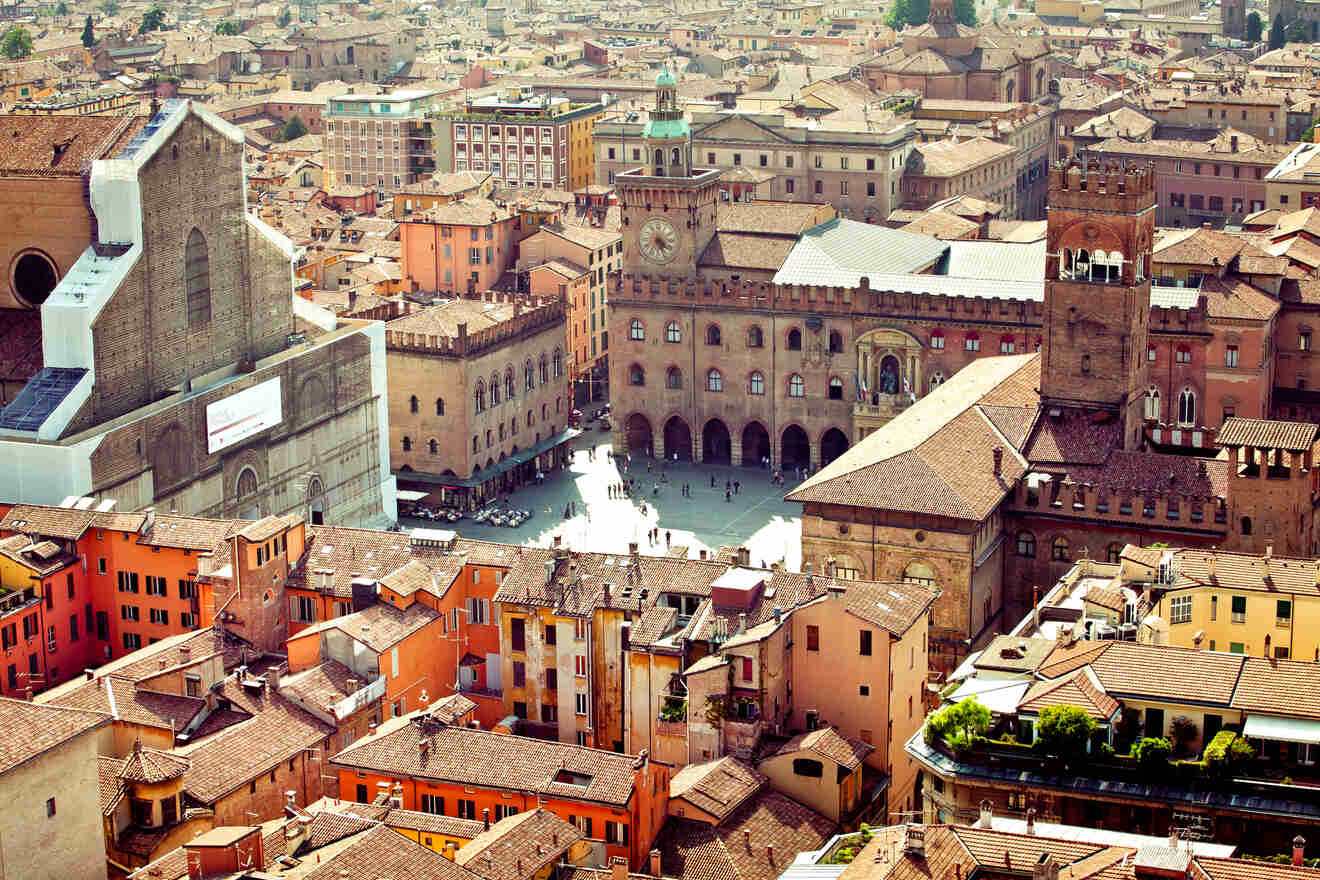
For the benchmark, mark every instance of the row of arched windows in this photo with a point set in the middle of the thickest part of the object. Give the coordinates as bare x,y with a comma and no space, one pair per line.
797,386
714,336
1186,406
1095,266
1060,548
488,393
491,435
414,405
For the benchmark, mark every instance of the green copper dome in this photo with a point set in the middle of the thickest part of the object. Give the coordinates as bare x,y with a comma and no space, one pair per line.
664,78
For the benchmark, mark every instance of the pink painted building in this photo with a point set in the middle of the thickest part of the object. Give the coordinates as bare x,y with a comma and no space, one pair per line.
460,247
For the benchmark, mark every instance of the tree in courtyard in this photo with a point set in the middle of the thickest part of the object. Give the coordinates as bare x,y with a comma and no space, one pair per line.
88,35
152,20
1254,27
17,44
227,28
1276,32
958,724
293,129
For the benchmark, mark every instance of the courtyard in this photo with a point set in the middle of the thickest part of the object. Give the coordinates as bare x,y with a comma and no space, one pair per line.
756,517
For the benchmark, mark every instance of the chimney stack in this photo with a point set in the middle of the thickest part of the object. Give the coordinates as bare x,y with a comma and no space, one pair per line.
185,653
1031,820
1299,850
1210,567
998,453
485,819
618,868
987,814
770,853
747,838
653,863
273,680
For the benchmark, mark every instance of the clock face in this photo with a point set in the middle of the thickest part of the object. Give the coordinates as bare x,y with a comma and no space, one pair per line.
658,240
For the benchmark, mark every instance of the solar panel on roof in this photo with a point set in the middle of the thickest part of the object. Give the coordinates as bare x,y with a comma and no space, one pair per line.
39,398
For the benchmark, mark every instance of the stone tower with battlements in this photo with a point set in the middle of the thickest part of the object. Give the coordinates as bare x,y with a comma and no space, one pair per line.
1097,291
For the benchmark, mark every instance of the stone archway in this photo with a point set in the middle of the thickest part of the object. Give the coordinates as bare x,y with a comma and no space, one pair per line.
638,434
794,447
716,447
678,439
755,444
833,444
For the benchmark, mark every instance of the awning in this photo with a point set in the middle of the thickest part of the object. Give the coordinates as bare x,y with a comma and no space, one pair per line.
1293,730
410,495
1001,696
487,474
470,659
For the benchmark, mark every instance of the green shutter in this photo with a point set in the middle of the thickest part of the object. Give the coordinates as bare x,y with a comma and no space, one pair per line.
1283,610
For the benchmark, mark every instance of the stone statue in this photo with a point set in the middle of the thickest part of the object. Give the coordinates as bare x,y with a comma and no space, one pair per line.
889,378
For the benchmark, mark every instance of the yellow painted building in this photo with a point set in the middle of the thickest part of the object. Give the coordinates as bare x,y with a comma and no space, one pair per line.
441,834
1262,605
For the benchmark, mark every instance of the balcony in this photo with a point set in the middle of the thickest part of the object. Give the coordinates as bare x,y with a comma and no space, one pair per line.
672,718
476,690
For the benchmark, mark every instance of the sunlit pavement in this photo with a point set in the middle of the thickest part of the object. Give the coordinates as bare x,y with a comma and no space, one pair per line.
757,517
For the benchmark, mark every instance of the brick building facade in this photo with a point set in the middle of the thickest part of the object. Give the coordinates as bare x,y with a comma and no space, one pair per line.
182,303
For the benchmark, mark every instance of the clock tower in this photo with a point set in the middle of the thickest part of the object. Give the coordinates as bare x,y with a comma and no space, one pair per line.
668,206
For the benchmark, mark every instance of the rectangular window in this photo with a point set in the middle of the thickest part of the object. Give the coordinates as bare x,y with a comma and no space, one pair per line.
519,674
128,581
159,616
1283,612
1239,609
580,703
433,803
129,612
1231,356
155,586
73,627
518,633
467,809
1180,609
132,641
580,665
616,833
552,679
747,669
813,637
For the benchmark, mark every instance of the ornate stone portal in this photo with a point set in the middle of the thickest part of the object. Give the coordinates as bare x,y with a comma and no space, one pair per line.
889,360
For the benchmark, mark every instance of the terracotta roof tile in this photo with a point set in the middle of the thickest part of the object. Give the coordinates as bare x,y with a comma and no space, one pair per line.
151,765
919,462
1268,433
829,743
1074,690
519,846
697,851
747,251
59,145
110,784
894,607
1283,687
716,787
492,760
380,626
32,729
381,852
430,823
277,730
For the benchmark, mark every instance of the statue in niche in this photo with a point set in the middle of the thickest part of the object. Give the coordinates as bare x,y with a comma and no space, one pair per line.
889,375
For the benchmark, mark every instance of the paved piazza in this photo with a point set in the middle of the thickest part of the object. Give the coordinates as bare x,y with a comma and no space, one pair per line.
757,517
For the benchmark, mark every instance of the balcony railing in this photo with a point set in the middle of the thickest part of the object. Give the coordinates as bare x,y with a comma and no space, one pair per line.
475,690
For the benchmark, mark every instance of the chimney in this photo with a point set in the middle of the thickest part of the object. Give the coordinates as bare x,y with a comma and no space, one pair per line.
1173,837
1299,850
396,796
653,863
770,853
998,453
273,680
1198,638
744,557
1210,567
915,842
987,814
747,838
485,819
1046,868
1031,820
703,556
618,868
185,653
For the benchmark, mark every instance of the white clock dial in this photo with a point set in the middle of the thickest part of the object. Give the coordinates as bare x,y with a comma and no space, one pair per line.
658,240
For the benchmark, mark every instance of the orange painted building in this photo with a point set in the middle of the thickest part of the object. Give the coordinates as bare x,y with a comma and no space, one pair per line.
460,247
618,800
453,576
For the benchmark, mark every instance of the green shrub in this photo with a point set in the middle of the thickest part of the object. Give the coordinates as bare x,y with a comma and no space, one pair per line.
1152,753
1227,754
1104,752
963,722
1063,732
